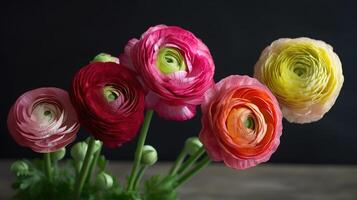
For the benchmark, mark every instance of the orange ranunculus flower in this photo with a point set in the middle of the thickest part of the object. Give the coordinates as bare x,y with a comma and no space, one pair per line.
241,122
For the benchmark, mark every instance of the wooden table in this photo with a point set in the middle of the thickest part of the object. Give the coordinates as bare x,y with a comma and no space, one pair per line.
265,182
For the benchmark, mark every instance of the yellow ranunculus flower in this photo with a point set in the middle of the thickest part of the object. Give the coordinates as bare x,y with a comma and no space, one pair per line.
304,74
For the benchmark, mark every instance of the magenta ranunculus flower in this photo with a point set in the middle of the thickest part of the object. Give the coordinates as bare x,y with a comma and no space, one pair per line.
174,66
43,120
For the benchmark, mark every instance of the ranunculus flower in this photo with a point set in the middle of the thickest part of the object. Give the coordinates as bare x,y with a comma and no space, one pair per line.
110,102
304,74
241,122
43,120
175,67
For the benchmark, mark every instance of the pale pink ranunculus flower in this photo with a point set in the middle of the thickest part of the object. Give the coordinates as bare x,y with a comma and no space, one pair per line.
174,66
43,119
241,122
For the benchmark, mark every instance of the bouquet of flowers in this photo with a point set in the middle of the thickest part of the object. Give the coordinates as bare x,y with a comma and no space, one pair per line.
169,71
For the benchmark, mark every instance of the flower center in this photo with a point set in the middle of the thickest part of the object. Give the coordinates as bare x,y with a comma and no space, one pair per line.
249,122
47,113
44,113
110,93
170,60
246,126
300,70
240,122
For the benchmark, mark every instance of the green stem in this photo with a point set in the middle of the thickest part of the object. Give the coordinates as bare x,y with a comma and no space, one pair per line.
55,165
139,176
191,160
48,167
179,160
85,169
78,166
138,151
205,161
94,162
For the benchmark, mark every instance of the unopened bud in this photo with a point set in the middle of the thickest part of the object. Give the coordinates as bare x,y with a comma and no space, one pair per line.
192,145
104,57
104,181
97,144
58,155
149,156
78,151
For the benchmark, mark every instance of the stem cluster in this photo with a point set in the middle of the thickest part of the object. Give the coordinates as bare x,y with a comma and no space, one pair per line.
187,164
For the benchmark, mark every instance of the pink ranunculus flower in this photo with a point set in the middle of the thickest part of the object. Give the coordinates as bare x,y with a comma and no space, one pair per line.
174,66
241,122
43,120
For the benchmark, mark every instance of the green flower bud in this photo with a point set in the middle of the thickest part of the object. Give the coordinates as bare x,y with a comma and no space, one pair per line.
19,168
97,144
78,151
104,181
104,57
192,145
149,156
58,155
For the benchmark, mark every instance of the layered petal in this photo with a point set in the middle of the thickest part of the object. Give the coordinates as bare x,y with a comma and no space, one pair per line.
241,122
174,65
171,112
43,120
110,102
304,74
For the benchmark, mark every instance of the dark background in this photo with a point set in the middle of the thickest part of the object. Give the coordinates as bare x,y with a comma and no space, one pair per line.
44,44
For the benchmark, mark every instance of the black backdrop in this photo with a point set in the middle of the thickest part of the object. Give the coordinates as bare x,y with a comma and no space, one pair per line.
44,44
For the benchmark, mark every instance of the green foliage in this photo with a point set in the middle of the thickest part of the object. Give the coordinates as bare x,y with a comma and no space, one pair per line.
129,196
34,185
92,192
160,188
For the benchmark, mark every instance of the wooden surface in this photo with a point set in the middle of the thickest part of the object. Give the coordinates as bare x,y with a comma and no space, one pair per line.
265,182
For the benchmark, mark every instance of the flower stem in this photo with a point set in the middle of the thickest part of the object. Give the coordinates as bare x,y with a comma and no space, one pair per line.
94,162
205,161
48,167
78,166
138,151
179,160
191,160
139,176
85,168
